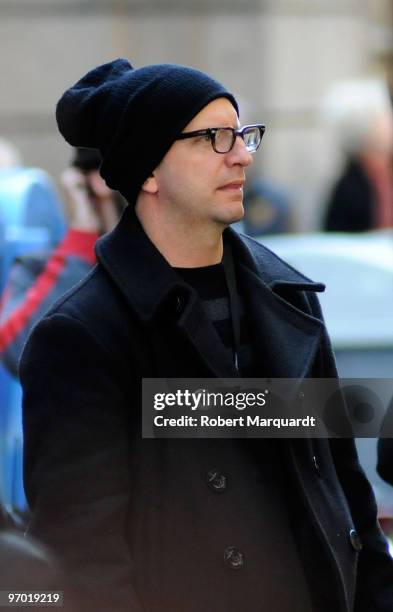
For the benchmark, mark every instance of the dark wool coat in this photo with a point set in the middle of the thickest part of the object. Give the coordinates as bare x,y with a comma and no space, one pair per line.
385,459
134,519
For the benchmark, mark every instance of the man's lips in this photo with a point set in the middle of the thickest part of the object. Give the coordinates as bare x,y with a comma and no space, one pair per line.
234,185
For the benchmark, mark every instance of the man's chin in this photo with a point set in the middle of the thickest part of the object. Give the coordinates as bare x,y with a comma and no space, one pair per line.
235,214
230,213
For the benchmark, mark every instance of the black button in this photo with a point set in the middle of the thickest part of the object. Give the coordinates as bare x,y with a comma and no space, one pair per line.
316,465
216,481
233,558
301,396
355,540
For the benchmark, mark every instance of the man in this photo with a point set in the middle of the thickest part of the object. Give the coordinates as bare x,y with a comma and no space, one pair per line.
186,525
361,198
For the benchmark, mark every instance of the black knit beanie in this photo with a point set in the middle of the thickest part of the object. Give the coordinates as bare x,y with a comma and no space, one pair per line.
133,116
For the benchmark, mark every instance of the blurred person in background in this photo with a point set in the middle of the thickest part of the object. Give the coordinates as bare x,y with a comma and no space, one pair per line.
37,281
9,155
267,209
362,198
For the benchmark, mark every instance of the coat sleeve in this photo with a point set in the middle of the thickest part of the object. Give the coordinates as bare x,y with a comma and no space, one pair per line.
374,584
385,459
385,447
76,460
35,283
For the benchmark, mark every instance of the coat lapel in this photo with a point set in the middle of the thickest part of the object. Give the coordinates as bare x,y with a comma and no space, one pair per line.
286,338
151,287
201,334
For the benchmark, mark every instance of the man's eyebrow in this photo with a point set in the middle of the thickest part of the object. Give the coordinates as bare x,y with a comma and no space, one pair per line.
218,124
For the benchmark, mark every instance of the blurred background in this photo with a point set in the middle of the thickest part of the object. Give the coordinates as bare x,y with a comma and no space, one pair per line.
280,58
318,73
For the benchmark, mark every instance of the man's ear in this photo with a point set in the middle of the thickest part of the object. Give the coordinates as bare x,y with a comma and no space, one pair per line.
150,185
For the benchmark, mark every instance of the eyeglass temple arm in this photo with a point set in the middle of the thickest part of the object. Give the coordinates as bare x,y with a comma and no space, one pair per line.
195,133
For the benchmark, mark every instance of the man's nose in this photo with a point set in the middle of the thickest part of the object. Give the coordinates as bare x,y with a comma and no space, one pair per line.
239,154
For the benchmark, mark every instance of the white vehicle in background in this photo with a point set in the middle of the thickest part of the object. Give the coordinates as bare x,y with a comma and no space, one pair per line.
357,270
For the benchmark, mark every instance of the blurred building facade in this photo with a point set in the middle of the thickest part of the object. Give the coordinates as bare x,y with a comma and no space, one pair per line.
278,56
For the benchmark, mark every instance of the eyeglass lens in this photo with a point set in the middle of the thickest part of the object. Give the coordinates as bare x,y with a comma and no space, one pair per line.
252,139
224,139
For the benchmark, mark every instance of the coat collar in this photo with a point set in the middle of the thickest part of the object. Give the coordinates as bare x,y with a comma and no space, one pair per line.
137,267
146,280
287,336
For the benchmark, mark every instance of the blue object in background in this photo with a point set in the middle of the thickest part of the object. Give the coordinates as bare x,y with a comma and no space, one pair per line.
28,198
21,241
32,220
11,447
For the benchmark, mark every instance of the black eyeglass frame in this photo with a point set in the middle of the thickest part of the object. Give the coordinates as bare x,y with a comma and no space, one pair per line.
211,133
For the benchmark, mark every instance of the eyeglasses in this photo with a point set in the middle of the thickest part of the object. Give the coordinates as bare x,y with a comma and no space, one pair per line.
223,139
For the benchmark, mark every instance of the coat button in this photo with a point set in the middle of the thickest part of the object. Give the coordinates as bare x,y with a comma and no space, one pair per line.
233,558
301,396
216,481
355,540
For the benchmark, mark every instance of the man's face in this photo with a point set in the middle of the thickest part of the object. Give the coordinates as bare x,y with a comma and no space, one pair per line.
197,184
